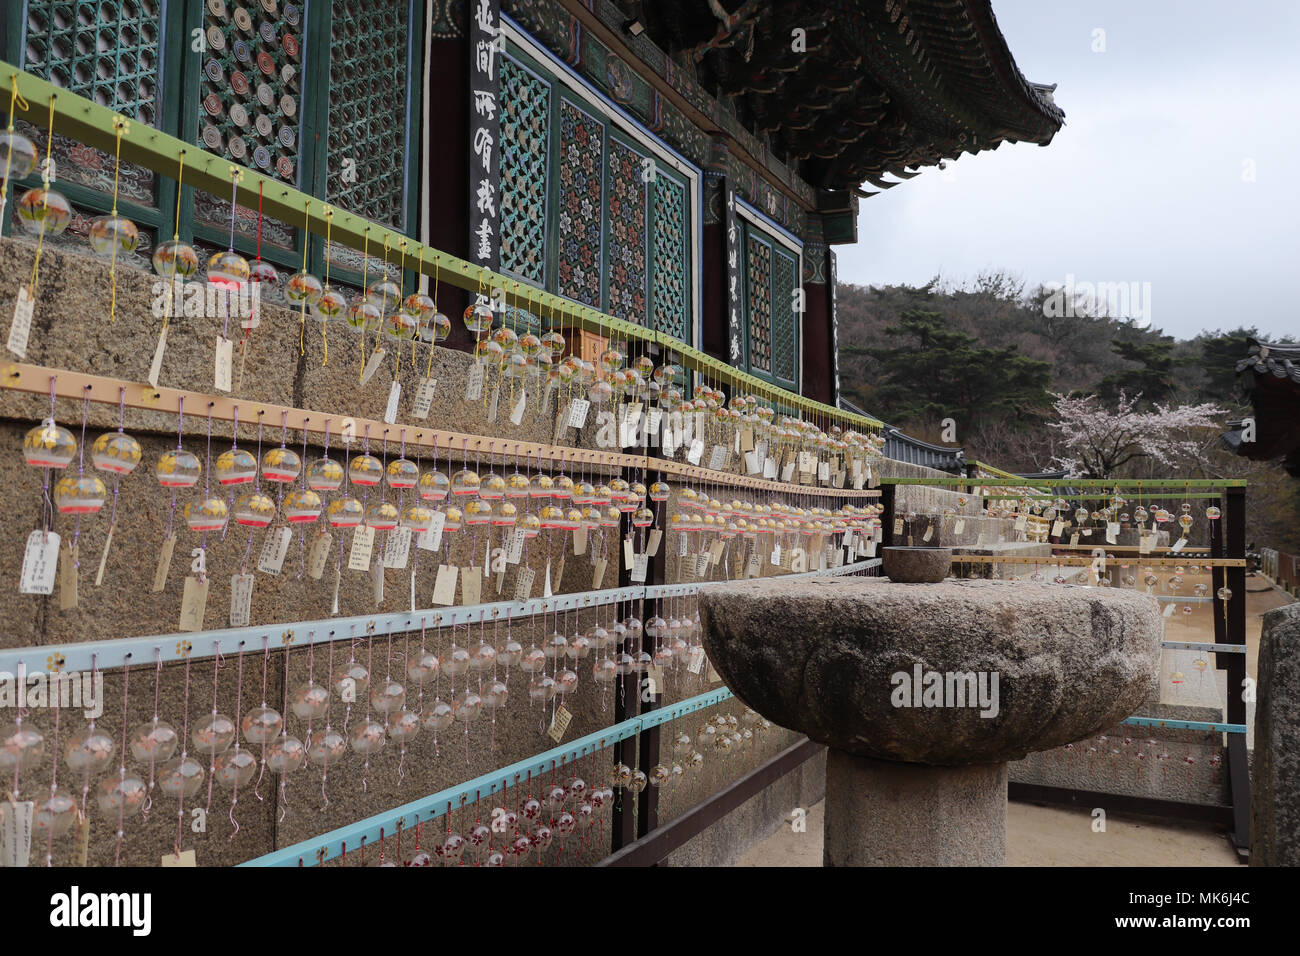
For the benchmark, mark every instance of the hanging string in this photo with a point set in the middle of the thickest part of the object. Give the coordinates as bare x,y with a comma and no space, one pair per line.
433,333
365,272
45,180
15,99
306,248
119,127
329,222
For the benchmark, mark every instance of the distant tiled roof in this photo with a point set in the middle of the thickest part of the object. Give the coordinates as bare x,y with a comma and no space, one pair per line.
1270,374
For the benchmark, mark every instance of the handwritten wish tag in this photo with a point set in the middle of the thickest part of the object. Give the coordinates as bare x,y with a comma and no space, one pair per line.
640,565
194,604
559,723
40,563
241,600
578,413
515,547
431,538
103,558
1058,526
16,833
20,329
959,526
274,550
394,396
696,451
423,400
363,544
225,364
319,555
652,545
494,402
718,457
579,542
524,584
598,574
397,548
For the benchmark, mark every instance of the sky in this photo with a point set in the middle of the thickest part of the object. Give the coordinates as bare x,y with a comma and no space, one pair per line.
1176,167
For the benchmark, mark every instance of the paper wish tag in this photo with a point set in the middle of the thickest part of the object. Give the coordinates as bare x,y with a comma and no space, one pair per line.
560,723
363,543
471,586
40,563
394,396
444,586
194,604
274,550
397,548
517,413
372,365
474,383
319,555
524,584
577,416
423,400
241,600
225,364
20,329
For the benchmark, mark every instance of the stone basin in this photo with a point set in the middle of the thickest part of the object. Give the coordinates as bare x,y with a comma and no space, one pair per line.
851,663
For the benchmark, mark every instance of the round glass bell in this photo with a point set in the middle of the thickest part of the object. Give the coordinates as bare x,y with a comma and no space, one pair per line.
228,270
345,513
368,737
113,236
324,474
178,468
44,211
1212,513
402,473
478,317
49,445
399,326
285,755
384,294
439,327
388,696
438,716
303,288
54,815
234,769
433,486
417,517
422,667
21,748
465,482
419,305
365,470
452,518
403,725
121,797
467,707
259,270
17,154
302,506
235,467
326,747
79,494
154,742
332,305
213,734
281,464
89,751
116,453
180,777
309,701
363,317
175,258
477,512
492,487
382,516
494,695
210,514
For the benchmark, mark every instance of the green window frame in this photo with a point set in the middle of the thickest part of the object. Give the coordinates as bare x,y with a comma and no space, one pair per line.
371,43
770,297
615,229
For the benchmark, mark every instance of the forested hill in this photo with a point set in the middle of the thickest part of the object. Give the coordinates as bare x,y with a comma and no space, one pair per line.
989,355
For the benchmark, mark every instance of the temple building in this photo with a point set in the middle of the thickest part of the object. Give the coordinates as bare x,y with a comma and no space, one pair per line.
688,165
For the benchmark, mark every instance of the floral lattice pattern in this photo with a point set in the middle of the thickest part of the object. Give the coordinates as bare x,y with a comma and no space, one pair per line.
581,193
627,233
525,144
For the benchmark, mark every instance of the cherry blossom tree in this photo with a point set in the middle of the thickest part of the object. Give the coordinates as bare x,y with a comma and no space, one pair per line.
1098,440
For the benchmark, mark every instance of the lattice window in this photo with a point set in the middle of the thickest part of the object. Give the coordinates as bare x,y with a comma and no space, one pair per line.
758,294
251,85
784,324
670,275
626,215
106,52
769,279
582,156
525,146
368,109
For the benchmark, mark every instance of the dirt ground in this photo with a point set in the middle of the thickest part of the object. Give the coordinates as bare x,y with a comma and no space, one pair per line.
1053,836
